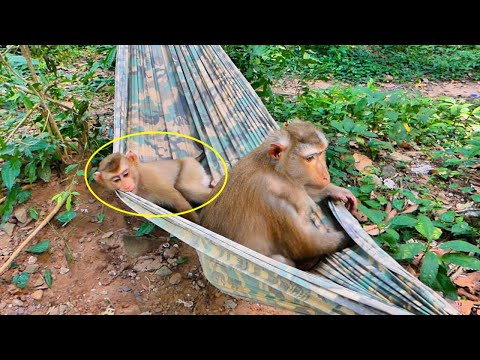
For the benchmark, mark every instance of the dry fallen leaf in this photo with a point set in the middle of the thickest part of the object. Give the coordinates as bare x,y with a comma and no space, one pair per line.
372,229
409,209
361,161
391,215
405,145
465,206
471,281
388,208
465,293
466,307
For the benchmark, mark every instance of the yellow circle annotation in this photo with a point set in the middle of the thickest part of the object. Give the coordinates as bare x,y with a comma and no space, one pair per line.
85,174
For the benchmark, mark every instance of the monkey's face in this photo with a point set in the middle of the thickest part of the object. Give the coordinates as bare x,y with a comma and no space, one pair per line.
125,178
308,166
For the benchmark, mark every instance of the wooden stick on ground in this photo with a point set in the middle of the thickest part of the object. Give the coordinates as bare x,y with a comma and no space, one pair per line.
31,236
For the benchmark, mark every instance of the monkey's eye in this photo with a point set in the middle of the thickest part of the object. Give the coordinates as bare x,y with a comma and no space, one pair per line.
309,158
125,174
116,180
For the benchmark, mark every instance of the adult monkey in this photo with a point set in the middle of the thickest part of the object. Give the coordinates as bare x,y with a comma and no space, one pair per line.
267,202
170,183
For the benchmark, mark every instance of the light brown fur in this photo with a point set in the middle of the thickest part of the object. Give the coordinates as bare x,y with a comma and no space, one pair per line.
169,183
266,204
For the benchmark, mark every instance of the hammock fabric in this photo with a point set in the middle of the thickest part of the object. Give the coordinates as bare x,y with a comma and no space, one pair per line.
197,90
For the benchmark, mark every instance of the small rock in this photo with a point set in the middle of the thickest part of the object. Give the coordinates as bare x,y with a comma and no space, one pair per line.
107,235
21,214
230,304
200,283
175,279
124,289
62,308
12,289
17,302
187,304
20,311
8,228
376,180
54,310
31,260
3,305
388,171
172,261
63,270
148,265
396,156
421,169
170,253
163,271
37,295
31,269
389,183
38,282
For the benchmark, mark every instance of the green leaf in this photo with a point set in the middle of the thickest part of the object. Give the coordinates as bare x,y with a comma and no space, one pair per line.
68,203
181,260
467,189
30,171
21,280
39,248
100,217
367,189
22,195
408,251
404,220
398,204
348,124
476,198
375,216
80,173
448,216
10,172
145,228
445,284
33,213
462,260
47,275
373,204
459,245
67,216
70,168
426,228
45,173
429,269
392,115
462,229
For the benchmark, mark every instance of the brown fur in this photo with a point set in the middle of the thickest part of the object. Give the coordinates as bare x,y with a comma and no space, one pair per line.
169,183
265,204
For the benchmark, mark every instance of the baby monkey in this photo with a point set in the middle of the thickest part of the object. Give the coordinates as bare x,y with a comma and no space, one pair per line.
168,183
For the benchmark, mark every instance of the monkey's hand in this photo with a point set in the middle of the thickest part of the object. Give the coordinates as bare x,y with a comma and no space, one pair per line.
345,196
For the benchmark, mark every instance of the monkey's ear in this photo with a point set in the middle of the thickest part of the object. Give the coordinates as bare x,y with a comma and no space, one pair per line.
131,156
98,177
276,150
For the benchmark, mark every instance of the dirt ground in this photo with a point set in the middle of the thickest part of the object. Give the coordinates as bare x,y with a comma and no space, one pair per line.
102,268
110,270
